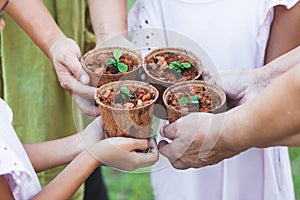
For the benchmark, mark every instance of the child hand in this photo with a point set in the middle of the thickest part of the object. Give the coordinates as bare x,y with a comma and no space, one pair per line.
92,134
120,152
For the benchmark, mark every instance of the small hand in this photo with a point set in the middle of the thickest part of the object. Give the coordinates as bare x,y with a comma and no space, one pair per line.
197,141
92,134
121,153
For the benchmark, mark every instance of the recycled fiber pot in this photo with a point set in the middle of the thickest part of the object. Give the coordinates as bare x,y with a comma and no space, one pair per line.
155,65
127,118
183,98
93,62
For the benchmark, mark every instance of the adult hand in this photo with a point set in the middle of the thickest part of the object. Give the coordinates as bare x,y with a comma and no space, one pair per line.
65,55
124,153
86,105
241,85
197,141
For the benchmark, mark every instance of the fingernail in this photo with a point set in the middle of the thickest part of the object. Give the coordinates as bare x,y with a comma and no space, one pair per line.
84,79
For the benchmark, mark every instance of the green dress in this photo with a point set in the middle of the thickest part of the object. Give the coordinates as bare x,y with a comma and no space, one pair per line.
42,109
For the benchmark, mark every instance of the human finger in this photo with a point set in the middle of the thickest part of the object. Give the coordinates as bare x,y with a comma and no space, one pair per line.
169,151
72,84
150,157
170,131
87,106
178,164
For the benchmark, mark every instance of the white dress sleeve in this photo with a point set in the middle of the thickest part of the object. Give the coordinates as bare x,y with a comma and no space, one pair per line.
14,162
265,24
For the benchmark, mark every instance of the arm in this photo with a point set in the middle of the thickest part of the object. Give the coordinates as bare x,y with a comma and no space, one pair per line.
285,32
109,18
4,189
36,21
70,179
272,118
50,154
242,85
114,152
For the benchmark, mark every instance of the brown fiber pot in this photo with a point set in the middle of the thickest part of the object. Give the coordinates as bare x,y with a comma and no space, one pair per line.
97,57
218,101
135,122
161,85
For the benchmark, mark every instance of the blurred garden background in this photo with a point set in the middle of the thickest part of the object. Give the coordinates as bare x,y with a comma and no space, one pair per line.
136,185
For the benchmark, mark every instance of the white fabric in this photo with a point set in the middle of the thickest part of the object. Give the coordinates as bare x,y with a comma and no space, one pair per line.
234,33
14,162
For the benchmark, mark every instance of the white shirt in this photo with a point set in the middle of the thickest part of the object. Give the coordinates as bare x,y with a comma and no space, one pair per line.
234,33
14,162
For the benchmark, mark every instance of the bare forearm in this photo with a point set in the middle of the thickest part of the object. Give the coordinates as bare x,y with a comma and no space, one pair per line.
265,75
285,32
36,21
46,155
109,18
273,115
70,178
293,140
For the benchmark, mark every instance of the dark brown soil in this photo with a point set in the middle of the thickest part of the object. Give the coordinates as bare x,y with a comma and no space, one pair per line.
99,66
203,104
158,66
137,97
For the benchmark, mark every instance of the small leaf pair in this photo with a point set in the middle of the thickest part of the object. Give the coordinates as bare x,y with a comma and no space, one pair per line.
176,65
122,67
189,99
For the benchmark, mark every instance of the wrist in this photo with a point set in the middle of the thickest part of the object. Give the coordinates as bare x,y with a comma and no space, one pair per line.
93,156
51,44
235,130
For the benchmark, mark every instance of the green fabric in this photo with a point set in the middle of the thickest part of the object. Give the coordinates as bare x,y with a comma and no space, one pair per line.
42,109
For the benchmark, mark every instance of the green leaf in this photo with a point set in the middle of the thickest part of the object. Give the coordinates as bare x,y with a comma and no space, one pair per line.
110,61
183,100
171,66
124,96
122,67
195,99
186,65
178,70
117,54
176,63
125,90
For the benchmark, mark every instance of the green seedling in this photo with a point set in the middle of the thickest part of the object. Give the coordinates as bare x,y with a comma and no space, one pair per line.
176,65
122,67
189,99
125,93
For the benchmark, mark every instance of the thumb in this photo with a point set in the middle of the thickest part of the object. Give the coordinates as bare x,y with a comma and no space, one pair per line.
135,144
75,65
170,131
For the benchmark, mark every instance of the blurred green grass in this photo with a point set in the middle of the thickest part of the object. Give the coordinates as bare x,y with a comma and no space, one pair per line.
295,164
127,185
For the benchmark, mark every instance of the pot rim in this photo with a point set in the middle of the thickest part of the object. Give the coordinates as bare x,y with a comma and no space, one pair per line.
111,49
125,83
220,92
173,50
